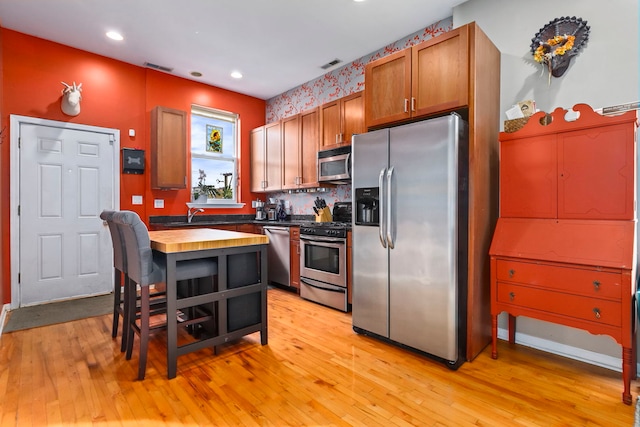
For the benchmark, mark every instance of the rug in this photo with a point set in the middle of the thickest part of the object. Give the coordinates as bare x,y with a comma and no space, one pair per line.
58,312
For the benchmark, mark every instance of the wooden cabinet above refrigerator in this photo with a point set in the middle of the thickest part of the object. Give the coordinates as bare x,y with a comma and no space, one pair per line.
430,77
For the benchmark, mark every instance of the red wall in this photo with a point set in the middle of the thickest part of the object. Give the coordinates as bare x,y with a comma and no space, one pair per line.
114,95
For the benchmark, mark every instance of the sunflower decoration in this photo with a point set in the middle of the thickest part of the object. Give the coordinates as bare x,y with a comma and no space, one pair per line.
559,41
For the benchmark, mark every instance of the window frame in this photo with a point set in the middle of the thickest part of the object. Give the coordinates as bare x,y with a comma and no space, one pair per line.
217,114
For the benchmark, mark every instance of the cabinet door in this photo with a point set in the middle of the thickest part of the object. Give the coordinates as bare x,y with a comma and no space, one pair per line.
330,125
309,140
349,268
596,178
387,89
273,148
352,114
294,258
168,148
291,152
258,160
528,178
440,73
245,228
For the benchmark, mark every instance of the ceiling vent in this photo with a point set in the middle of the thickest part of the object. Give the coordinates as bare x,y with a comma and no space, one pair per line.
158,67
331,64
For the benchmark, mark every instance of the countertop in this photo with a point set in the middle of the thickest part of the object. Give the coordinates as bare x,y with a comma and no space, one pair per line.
203,221
168,241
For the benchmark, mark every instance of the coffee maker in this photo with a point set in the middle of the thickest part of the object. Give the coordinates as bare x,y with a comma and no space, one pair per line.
271,209
260,212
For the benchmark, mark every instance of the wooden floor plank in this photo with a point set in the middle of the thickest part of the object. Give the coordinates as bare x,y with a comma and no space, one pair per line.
315,371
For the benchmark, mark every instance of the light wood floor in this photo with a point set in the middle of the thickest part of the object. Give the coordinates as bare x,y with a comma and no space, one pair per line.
315,371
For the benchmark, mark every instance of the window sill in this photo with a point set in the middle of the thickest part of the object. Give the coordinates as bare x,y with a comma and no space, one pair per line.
217,205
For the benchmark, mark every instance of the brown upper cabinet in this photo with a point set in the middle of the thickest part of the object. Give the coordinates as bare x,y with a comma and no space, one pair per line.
300,150
266,158
427,78
168,148
291,152
340,120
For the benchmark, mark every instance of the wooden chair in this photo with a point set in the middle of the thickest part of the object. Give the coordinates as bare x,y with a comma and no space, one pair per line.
145,269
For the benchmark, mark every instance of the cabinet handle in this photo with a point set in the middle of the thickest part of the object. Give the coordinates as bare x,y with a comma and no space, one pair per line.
413,104
406,105
298,249
596,285
337,138
511,273
596,312
512,296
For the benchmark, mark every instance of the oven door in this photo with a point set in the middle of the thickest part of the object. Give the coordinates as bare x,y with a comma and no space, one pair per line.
324,259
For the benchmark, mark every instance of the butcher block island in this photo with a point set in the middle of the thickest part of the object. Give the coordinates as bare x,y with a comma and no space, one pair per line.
202,238
564,248
224,308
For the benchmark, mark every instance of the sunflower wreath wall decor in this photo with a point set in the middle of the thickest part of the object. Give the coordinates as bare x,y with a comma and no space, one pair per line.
559,41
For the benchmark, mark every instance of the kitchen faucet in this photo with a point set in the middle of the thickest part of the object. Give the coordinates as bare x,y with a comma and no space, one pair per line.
191,214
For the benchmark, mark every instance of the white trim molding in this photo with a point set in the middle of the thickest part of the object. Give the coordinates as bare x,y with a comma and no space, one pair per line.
575,353
3,316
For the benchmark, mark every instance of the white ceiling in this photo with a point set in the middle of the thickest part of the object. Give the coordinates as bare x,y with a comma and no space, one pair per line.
276,44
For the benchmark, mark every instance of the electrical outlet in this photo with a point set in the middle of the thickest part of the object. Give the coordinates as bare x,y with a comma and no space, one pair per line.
158,203
136,200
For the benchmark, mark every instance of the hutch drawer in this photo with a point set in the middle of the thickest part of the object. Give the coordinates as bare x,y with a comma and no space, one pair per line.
567,278
580,307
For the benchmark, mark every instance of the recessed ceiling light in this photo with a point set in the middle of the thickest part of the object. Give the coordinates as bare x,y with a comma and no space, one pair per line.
115,36
196,74
236,74
358,1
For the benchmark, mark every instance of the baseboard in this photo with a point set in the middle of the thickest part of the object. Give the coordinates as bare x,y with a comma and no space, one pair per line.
575,353
3,316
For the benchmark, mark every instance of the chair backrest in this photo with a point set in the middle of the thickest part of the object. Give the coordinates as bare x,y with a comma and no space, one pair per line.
138,250
119,257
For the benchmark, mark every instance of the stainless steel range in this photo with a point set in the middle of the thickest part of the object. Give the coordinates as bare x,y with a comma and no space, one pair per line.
323,259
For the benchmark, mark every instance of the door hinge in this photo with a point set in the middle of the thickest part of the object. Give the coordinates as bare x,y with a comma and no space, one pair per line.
18,277
19,141
112,139
18,210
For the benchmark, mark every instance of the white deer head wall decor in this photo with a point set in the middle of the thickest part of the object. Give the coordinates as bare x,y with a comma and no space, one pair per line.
71,97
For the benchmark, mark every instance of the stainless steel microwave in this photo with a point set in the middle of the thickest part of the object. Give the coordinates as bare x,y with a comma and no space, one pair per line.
334,165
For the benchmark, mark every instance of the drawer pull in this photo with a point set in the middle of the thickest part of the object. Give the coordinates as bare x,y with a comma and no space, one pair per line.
512,296
596,312
511,273
596,285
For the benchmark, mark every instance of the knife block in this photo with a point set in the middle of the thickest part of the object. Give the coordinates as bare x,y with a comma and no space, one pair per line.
324,215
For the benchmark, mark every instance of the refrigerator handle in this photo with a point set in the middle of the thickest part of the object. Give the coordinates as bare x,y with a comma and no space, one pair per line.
388,215
381,226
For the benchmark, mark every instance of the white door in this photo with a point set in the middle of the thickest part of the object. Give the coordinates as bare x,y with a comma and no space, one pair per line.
66,179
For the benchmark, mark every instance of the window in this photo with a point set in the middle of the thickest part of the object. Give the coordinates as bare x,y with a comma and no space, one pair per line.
214,154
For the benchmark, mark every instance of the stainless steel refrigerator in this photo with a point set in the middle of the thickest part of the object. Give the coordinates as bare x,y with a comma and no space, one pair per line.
410,205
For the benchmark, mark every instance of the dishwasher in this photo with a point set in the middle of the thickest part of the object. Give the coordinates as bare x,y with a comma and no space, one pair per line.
278,255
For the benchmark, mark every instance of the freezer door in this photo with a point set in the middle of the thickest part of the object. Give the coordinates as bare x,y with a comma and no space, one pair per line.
423,262
370,302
